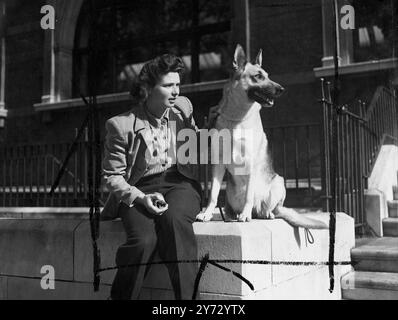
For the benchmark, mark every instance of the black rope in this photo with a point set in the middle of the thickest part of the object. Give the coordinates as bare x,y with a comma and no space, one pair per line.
264,262
234,273
94,148
334,175
71,150
205,260
202,268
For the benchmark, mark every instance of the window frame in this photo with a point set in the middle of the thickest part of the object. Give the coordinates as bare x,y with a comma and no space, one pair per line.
345,48
193,33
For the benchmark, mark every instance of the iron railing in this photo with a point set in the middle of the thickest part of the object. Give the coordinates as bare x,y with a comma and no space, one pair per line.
301,153
360,134
381,122
28,172
295,152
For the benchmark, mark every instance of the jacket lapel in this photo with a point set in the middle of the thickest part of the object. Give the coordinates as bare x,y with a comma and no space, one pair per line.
142,127
174,116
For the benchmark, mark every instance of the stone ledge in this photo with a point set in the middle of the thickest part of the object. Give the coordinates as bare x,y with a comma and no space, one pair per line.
27,245
124,96
66,244
359,67
375,210
44,212
30,289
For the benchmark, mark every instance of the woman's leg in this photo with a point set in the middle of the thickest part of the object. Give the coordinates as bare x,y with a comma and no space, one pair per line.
141,243
176,239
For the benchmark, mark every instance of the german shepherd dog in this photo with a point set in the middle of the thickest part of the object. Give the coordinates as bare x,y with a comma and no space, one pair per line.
257,191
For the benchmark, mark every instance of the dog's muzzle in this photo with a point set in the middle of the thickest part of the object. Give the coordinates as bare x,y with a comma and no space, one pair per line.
265,97
261,98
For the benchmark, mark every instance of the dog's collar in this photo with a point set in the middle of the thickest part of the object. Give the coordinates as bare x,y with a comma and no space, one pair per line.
230,119
222,114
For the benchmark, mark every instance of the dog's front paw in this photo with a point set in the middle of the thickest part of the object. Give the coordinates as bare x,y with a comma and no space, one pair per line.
245,216
204,216
269,215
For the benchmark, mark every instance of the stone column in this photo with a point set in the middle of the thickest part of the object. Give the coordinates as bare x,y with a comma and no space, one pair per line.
48,67
240,25
247,29
58,51
328,33
344,37
3,111
64,66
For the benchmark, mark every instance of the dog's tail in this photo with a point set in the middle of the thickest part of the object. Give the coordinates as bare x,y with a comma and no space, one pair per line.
298,220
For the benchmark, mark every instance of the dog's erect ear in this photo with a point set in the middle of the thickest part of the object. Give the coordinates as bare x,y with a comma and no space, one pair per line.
239,58
259,58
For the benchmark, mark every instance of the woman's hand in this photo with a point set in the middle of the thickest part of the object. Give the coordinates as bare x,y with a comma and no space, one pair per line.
154,203
213,114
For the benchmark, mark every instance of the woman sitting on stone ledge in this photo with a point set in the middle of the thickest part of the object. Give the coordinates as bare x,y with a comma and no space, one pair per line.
156,197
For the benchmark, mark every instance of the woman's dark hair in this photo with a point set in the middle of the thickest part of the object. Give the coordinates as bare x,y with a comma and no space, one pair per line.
151,72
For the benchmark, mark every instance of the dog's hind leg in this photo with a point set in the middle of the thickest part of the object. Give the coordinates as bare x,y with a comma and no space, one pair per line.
268,197
276,199
218,175
296,219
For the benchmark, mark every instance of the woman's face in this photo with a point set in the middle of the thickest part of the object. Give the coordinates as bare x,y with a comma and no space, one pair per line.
165,92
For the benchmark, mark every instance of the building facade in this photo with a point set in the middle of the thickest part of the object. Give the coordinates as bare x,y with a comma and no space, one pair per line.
44,72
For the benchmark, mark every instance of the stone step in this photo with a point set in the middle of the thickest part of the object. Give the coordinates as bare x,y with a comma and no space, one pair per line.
380,254
395,192
390,227
360,285
392,208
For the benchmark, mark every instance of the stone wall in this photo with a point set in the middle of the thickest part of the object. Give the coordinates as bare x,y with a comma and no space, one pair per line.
28,244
